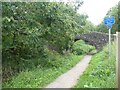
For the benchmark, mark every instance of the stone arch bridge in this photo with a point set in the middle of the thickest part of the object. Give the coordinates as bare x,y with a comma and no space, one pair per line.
96,39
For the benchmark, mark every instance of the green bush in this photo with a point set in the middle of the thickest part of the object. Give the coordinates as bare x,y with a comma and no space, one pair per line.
53,59
80,47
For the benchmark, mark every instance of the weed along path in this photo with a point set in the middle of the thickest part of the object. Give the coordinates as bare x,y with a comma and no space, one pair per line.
70,78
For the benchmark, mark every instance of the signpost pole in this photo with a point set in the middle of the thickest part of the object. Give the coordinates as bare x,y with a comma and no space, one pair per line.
109,42
109,22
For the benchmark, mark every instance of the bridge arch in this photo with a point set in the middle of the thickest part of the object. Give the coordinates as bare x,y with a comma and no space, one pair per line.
96,39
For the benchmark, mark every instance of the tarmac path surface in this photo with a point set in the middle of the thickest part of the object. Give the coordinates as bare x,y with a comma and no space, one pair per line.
70,78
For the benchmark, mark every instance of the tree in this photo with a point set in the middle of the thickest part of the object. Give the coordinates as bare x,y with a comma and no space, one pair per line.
28,27
89,27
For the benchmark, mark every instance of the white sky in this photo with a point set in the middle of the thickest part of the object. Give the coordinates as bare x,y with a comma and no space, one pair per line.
97,9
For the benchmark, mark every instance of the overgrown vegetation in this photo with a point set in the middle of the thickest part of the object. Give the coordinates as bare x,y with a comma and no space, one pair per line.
80,47
37,39
29,29
40,71
101,71
40,77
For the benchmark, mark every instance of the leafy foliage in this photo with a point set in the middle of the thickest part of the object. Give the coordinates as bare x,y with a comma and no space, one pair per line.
89,27
50,23
32,30
80,47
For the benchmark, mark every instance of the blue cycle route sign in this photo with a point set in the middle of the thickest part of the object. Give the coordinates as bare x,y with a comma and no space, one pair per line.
109,22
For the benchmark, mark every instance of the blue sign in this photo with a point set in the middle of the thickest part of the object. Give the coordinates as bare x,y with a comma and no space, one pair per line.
109,21
106,20
112,20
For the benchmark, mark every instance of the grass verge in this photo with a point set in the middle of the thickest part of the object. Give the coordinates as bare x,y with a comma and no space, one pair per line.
101,71
40,77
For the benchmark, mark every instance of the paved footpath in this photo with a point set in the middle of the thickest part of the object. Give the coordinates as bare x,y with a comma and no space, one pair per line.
70,78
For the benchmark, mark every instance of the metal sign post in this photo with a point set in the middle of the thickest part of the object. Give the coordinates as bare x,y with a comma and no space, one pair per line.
109,41
109,21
